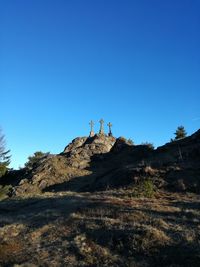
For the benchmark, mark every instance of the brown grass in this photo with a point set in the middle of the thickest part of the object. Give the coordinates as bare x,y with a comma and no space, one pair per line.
10,251
102,229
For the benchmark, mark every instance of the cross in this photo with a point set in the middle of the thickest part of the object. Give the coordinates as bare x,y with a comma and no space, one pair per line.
91,125
101,131
110,125
101,121
92,130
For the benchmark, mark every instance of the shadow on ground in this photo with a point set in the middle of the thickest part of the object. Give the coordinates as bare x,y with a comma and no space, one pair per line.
127,228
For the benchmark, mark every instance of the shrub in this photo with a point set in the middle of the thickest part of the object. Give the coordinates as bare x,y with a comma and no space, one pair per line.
35,158
180,133
145,188
150,145
4,156
130,142
148,188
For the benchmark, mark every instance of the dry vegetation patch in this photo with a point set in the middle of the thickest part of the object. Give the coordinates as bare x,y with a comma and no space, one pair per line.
12,251
102,229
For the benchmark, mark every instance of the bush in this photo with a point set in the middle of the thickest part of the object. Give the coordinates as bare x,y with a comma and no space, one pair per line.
148,188
150,145
145,188
35,158
4,156
130,142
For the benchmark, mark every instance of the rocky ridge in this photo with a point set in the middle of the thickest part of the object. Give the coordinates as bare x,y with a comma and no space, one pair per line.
102,162
74,161
79,208
81,150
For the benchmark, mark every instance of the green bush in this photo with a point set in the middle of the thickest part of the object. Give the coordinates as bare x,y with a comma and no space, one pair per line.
35,158
180,133
4,155
148,188
150,145
145,188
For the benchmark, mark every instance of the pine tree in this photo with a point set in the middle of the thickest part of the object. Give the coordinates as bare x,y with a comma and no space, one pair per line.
180,133
32,160
4,156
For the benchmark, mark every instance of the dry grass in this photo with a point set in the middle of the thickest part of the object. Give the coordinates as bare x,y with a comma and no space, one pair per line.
11,250
102,229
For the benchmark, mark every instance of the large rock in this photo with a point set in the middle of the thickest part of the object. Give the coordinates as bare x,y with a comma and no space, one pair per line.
73,162
82,148
101,162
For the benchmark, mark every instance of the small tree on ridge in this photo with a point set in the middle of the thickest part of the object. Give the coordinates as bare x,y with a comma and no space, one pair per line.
180,133
4,155
32,160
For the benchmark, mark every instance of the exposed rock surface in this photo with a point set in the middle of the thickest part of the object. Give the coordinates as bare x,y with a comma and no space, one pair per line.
80,151
73,162
102,162
109,228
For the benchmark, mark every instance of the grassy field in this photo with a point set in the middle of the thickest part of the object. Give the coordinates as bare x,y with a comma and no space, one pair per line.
110,228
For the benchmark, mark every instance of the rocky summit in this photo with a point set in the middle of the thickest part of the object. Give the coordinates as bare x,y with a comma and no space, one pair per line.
82,149
100,162
62,169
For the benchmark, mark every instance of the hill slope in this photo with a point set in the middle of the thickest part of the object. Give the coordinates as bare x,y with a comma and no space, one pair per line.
102,162
44,223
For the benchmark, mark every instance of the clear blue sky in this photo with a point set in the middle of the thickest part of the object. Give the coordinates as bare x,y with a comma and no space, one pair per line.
135,63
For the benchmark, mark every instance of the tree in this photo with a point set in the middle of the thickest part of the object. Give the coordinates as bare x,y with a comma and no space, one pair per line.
4,155
150,145
130,141
38,155
180,133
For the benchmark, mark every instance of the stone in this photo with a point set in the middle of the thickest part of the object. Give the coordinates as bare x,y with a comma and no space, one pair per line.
77,142
110,131
101,131
23,181
100,161
92,129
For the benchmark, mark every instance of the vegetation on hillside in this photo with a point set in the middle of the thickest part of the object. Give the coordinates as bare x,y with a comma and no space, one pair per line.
180,133
4,155
150,145
32,160
130,141
107,230
125,206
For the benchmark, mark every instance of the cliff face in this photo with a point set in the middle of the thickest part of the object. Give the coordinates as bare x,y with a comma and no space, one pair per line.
102,162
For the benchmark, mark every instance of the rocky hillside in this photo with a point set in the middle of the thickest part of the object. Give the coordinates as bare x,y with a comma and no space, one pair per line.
73,162
105,202
102,162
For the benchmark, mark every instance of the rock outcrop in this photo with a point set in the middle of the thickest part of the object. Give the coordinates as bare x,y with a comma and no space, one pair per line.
101,162
81,150
73,162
